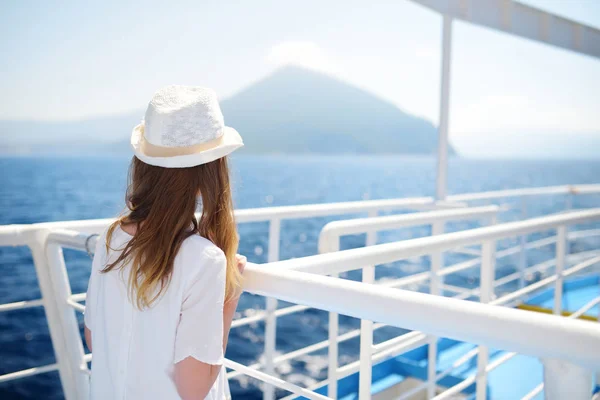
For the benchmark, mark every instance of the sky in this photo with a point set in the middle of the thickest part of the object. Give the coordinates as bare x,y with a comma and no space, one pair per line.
65,60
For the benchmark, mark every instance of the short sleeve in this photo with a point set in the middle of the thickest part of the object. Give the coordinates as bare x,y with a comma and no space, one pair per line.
200,329
92,291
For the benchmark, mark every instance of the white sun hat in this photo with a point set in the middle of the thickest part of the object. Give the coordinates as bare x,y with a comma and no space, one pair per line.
183,127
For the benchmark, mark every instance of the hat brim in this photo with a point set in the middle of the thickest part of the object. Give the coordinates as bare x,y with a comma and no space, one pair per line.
231,141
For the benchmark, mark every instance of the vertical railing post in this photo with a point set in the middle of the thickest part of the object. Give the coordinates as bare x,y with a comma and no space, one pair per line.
563,380
37,244
569,201
487,276
333,244
442,152
523,246
271,307
66,314
561,253
366,329
437,263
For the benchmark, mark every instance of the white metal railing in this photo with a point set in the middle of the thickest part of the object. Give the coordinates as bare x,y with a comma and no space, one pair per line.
57,239
329,241
487,237
35,236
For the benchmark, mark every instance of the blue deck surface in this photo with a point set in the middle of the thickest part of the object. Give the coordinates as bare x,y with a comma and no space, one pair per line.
511,380
578,292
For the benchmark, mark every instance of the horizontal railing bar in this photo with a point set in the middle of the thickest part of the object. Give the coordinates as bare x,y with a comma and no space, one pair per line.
531,395
584,233
260,316
18,235
455,289
76,306
528,289
393,343
464,265
28,372
325,209
465,358
407,280
332,263
312,348
406,346
360,225
471,379
480,323
467,251
516,275
20,305
78,297
280,383
527,192
585,308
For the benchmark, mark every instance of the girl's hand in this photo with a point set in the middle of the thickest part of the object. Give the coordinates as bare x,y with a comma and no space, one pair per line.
241,260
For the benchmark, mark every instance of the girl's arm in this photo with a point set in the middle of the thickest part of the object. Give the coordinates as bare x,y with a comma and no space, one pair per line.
194,378
88,337
230,306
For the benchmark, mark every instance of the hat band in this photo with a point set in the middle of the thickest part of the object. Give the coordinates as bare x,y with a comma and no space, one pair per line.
153,150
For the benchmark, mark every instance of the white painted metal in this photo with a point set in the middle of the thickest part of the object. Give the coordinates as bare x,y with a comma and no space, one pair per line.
67,319
28,372
271,307
24,235
526,192
383,253
442,150
20,235
561,253
564,380
523,246
545,282
532,395
329,242
523,21
437,263
332,366
488,268
20,305
274,381
333,230
52,309
366,328
540,335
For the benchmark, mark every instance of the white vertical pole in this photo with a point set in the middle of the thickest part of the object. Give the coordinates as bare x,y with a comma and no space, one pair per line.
52,311
563,380
271,307
488,267
366,329
68,320
442,154
437,263
522,245
333,245
569,202
561,252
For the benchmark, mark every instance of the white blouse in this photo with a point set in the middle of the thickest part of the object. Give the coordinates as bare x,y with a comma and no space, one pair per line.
135,350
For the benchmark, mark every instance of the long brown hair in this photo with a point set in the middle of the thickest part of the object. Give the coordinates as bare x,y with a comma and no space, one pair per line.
161,203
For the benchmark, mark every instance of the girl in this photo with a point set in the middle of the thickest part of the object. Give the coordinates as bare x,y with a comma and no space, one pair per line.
164,286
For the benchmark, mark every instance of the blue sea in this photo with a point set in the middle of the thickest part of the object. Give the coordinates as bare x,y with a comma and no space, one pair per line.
68,188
